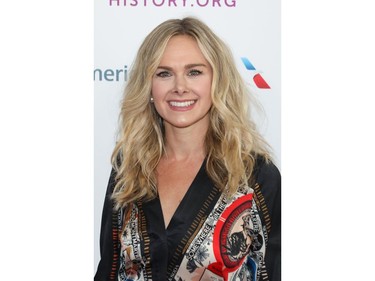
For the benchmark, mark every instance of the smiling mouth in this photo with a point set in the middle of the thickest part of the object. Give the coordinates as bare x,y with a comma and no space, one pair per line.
181,103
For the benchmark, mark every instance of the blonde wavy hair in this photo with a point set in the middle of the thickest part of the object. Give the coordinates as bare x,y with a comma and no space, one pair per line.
232,141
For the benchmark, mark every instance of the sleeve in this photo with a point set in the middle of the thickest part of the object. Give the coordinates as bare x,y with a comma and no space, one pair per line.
107,266
269,192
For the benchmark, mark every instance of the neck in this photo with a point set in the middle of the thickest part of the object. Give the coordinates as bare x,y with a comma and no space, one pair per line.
184,143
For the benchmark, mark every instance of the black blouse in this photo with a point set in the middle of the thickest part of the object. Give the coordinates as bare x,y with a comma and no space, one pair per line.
209,235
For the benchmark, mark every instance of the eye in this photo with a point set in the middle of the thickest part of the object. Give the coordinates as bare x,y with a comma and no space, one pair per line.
163,74
194,72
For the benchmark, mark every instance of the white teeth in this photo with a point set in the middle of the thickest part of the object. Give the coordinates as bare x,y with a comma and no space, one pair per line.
181,104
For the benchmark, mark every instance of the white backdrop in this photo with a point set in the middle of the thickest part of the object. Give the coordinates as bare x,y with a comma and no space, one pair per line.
251,28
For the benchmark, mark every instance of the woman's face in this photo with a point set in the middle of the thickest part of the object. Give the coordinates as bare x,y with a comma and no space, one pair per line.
181,85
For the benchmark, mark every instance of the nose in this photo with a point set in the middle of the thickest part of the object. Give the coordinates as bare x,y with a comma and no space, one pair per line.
180,86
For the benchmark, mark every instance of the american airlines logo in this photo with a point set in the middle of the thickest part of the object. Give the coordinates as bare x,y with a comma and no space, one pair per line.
257,78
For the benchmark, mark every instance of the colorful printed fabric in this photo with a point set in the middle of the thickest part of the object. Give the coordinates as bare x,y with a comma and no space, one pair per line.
210,236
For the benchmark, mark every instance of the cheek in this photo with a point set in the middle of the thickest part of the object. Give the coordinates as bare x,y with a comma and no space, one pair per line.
157,95
157,90
206,90
154,88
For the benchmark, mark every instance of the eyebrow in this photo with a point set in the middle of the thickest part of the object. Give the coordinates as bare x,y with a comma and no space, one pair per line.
188,66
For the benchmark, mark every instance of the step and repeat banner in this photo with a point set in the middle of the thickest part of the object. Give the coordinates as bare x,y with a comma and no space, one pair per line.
251,28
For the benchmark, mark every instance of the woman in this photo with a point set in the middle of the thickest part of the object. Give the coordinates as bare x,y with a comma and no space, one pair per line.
193,194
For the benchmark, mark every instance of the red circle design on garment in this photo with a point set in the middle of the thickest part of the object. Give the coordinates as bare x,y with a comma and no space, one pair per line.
231,243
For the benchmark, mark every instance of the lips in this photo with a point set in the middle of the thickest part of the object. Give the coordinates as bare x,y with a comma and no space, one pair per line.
181,104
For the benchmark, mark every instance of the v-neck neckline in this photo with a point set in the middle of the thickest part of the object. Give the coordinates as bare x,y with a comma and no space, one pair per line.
184,201
167,245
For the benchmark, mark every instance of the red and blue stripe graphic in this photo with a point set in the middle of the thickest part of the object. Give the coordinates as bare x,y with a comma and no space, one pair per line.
257,78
